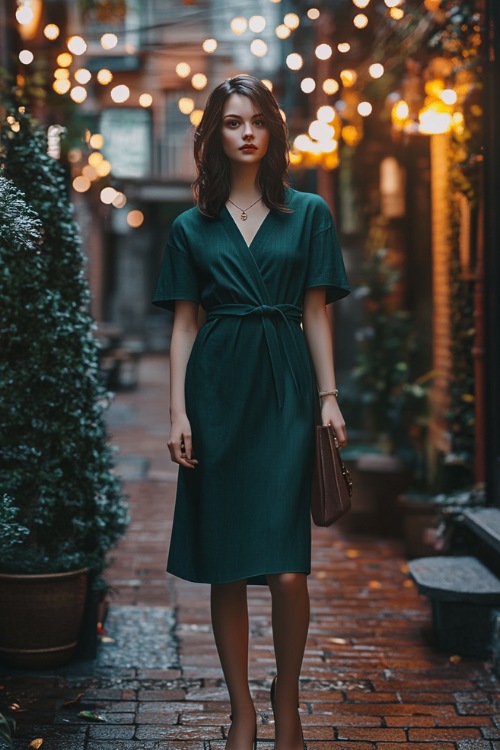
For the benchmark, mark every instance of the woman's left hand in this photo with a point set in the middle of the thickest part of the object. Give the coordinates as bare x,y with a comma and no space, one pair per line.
331,414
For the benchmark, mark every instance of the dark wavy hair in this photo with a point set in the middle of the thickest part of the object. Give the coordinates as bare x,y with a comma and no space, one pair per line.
213,184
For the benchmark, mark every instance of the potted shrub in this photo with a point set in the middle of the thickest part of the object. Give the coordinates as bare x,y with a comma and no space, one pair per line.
394,405
61,507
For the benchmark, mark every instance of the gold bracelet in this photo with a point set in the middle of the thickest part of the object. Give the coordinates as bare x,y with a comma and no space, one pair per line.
329,393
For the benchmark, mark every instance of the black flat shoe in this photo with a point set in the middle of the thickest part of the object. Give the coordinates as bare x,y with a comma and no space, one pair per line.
273,695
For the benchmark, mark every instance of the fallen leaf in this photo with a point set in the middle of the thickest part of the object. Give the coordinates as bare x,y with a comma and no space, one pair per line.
72,701
352,553
455,659
91,716
36,743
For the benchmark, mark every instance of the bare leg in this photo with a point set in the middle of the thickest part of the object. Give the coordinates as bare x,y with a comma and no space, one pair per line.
230,626
290,620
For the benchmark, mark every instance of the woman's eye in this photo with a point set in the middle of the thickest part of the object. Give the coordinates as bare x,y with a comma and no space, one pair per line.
259,123
232,123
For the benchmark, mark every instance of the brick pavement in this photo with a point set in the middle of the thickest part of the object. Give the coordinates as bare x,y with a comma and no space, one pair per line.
371,678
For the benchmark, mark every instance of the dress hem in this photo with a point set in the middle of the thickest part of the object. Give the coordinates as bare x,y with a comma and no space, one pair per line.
243,578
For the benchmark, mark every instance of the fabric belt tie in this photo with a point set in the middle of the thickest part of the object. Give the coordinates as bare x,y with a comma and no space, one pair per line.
271,316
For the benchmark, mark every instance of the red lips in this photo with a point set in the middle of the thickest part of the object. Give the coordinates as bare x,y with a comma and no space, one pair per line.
248,146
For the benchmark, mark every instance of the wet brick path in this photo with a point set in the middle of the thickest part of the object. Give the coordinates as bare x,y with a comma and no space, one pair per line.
371,679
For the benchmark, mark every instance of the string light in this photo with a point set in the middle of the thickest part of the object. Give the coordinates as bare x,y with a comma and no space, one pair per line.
108,194
294,61
199,81
119,201
351,135
258,48
61,73
78,94
103,168
326,113
104,76
26,56
61,86
96,140
360,21
95,158
77,45
308,85
64,60
365,109
397,13
120,94
282,31
257,24
448,96
292,21
209,45
81,184
24,14
135,219
348,77
343,47
313,14
108,41
51,31
82,75
183,70
323,52
392,3
239,25
361,3
89,172
186,105
376,70
195,117
145,100
330,86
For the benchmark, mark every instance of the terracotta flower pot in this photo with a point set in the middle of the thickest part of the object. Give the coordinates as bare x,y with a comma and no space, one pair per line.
40,617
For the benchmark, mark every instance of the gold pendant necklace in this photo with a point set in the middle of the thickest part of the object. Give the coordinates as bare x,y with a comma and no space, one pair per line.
244,215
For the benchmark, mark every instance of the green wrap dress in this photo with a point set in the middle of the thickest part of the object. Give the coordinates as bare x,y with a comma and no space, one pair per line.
243,512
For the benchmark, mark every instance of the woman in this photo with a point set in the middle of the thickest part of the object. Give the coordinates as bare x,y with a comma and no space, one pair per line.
259,259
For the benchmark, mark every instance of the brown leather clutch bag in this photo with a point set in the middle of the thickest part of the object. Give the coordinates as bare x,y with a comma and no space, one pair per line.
331,483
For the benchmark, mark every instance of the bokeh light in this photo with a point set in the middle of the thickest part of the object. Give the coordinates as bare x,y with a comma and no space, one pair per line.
343,47
348,77
195,117
257,24
282,31
313,14
360,21
186,105
330,86
96,140
77,45
81,184
308,85
294,61
24,14
238,25
109,41
64,60
61,85
292,21
104,76
135,219
108,194
120,94
199,81
183,70
51,31
210,45
365,109
323,52
82,75
26,56
258,48
145,100
376,70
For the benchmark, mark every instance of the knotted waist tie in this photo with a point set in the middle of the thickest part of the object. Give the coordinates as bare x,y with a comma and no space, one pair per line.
271,316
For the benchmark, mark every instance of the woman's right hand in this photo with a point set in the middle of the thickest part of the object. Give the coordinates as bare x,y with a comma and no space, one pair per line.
180,443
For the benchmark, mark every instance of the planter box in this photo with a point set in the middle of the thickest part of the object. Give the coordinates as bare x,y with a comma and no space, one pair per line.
40,618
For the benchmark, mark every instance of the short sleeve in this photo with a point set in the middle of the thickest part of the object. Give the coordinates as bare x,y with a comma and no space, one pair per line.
326,265
177,279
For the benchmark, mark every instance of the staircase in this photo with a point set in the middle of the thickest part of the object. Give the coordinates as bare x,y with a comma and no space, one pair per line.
465,589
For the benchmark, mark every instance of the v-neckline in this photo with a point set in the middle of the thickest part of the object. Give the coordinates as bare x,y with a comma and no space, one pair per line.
238,230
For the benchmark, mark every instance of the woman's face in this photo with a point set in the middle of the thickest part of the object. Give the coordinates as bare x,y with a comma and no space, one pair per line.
244,132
